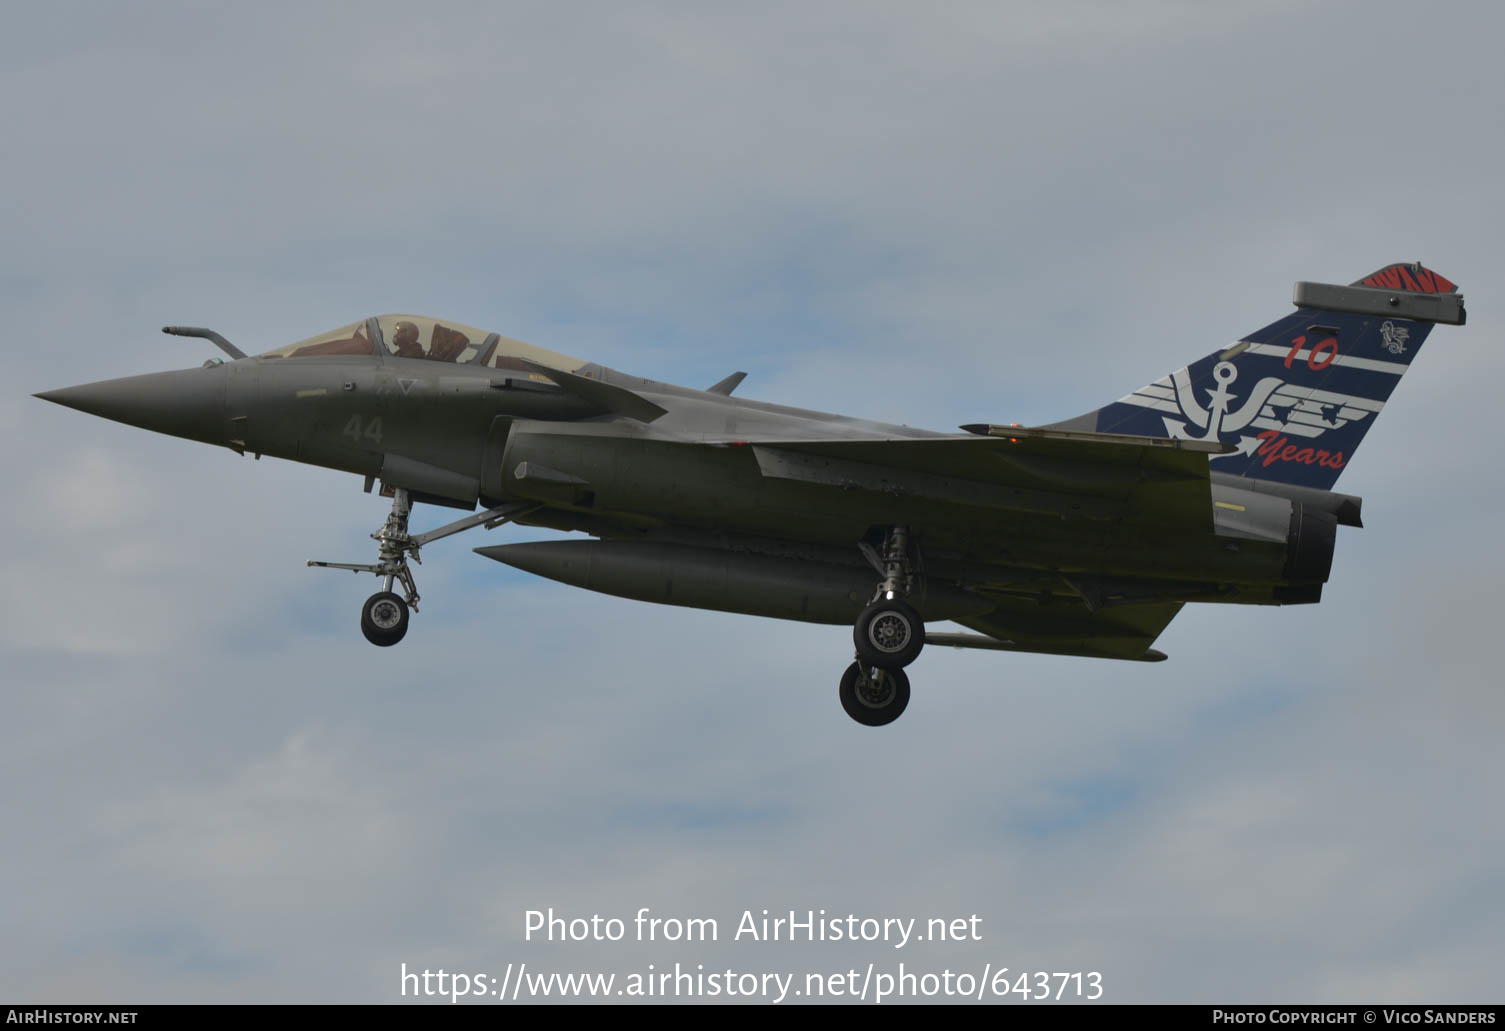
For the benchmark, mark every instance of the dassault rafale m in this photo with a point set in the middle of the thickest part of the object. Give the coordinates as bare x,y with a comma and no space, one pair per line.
1083,537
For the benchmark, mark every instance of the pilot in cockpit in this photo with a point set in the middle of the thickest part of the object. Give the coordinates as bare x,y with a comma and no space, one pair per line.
405,341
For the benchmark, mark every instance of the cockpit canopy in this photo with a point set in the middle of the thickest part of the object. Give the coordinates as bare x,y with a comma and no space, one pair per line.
420,337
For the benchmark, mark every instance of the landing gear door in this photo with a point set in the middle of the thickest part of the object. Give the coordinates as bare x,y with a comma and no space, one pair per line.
492,478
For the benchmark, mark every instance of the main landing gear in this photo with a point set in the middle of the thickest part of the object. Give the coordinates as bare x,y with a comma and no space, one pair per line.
384,616
888,636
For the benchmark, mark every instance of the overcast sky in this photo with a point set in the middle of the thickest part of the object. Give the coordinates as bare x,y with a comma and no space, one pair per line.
215,789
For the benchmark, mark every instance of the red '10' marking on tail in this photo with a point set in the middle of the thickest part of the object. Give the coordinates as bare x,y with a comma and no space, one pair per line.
1328,347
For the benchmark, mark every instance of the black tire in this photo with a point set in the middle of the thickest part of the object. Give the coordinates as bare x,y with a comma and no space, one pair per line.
384,619
889,634
869,707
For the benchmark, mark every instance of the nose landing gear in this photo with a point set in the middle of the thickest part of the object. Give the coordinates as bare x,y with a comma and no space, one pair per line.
384,616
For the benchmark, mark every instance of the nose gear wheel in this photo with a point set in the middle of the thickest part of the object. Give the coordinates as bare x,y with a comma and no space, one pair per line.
384,619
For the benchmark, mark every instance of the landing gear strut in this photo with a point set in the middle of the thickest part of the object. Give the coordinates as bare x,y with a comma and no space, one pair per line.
888,636
384,616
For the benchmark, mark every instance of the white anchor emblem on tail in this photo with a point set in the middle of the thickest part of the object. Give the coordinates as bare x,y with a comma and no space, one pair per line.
1216,419
1274,405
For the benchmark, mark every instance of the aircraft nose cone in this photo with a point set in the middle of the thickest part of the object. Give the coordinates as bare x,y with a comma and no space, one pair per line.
189,403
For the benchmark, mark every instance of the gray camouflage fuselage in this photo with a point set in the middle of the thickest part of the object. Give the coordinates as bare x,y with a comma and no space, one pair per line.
689,514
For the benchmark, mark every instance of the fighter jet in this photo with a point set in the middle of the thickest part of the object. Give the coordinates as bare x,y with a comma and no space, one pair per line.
1083,537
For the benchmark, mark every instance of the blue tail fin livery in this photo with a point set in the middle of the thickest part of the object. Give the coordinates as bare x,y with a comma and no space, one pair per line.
1296,397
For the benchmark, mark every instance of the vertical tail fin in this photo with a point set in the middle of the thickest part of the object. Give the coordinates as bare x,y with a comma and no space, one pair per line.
1296,397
